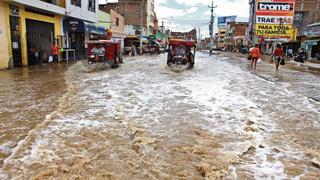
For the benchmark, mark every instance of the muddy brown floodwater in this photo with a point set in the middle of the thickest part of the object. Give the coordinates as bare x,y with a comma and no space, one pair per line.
145,121
27,95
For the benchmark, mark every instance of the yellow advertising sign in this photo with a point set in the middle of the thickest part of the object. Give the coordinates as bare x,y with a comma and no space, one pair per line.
273,30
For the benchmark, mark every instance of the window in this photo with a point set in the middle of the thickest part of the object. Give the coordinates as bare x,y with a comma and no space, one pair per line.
117,22
51,1
92,5
76,3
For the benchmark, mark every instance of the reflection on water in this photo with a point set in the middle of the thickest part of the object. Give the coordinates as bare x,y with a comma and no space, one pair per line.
144,121
27,95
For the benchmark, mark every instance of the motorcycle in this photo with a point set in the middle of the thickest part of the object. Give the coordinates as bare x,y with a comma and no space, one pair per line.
300,57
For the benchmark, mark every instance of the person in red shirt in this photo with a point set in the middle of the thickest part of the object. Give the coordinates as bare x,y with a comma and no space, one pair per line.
54,52
255,55
278,55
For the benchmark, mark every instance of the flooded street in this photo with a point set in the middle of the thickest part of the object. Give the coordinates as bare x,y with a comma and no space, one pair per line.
144,121
27,95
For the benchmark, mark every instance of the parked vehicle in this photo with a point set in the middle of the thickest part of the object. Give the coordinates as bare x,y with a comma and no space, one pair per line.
244,50
181,53
301,56
104,51
152,48
133,41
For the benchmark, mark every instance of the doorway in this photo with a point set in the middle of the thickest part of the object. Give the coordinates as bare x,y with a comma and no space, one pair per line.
77,40
40,35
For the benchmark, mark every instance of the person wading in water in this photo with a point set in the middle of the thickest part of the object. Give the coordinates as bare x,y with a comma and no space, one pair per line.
278,55
255,55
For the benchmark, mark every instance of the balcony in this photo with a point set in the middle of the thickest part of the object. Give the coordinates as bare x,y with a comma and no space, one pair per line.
52,6
54,2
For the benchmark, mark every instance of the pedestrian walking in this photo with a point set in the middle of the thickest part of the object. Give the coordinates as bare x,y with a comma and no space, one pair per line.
37,56
54,52
133,50
250,48
278,55
255,55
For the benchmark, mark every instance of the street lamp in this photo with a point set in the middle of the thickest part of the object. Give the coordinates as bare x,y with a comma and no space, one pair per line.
162,25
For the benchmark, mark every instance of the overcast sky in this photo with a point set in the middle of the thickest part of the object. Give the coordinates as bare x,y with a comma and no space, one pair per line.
187,14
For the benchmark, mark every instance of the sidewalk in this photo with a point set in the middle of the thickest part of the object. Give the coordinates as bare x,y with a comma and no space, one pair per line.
308,65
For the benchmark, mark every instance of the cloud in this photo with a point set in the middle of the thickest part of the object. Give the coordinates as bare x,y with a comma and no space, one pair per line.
195,13
192,10
165,12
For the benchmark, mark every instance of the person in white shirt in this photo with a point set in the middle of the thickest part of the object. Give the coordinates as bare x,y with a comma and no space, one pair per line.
98,50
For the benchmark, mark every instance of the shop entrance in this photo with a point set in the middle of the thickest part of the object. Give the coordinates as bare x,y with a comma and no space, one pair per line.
77,42
40,35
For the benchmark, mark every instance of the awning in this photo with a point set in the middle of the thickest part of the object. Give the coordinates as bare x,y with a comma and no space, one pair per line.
77,25
311,42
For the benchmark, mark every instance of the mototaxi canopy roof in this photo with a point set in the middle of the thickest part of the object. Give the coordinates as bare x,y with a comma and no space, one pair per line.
102,42
177,42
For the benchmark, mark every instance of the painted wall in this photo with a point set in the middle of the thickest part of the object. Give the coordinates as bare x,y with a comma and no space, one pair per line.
82,12
104,19
117,30
4,45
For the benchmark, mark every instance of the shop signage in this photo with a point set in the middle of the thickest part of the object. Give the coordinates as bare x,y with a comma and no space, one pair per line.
314,31
223,20
275,6
274,30
74,25
14,10
274,19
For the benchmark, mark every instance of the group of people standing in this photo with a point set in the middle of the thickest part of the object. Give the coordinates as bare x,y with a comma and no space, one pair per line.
255,55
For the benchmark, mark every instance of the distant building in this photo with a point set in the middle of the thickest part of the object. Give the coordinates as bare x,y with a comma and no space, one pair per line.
156,25
222,32
307,22
131,10
191,35
205,43
306,12
236,34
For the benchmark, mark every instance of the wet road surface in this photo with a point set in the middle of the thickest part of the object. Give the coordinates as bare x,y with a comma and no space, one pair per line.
27,95
145,121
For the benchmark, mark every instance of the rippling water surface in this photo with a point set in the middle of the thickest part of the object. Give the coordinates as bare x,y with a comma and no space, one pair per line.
145,121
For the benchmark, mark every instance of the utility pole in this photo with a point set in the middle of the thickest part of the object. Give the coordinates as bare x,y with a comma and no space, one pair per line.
211,26
199,38
141,24
162,27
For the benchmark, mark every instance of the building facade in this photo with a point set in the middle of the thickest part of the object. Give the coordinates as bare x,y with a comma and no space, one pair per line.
131,10
191,35
29,27
236,34
306,12
222,32
117,25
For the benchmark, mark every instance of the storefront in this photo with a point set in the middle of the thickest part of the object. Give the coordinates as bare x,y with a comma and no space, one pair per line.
78,32
312,44
30,29
40,35
313,48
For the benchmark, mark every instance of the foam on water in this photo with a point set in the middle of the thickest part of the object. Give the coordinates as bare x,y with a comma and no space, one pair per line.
149,122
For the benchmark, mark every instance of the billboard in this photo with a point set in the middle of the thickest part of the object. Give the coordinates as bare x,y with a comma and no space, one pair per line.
274,19
223,20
